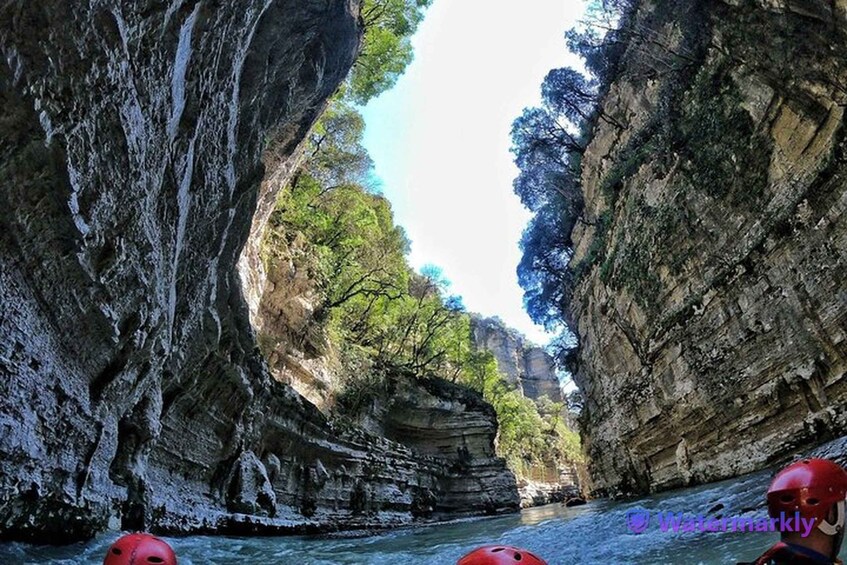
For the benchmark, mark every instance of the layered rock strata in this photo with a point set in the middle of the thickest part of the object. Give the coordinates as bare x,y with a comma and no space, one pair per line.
713,323
535,493
133,140
450,424
524,364
534,372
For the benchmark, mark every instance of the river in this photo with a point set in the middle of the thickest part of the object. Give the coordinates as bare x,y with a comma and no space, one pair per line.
594,533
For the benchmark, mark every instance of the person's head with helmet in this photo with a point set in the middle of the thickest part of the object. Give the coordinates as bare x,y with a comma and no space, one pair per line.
500,555
817,490
140,549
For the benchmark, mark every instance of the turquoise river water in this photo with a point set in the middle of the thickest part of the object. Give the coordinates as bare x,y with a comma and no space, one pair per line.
594,533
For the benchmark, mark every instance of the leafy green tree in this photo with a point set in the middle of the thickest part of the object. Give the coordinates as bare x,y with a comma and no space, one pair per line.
385,317
387,46
530,434
521,439
541,146
480,371
369,295
601,39
543,271
548,143
570,94
361,250
562,443
335,154
422,336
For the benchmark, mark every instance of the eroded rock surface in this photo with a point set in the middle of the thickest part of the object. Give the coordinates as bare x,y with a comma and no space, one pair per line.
712,327
523,363
132,392
452,424
533,371
294,342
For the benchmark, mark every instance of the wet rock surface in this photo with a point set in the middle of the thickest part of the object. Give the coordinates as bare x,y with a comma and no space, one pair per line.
535,493
133,141
712,326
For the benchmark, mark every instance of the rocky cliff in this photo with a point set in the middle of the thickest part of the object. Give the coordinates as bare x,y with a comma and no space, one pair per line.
294,343
534,372
450,424
134,137
524,364
712,314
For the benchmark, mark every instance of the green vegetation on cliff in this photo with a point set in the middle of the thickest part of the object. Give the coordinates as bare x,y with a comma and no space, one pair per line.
695,125
381,315
386,46
548,143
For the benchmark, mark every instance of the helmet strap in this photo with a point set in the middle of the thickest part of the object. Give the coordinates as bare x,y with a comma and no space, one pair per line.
838,526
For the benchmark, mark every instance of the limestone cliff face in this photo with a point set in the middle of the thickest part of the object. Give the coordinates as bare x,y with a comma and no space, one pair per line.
713,322
132,392
450,424
443,423
533,371
524,364
294,343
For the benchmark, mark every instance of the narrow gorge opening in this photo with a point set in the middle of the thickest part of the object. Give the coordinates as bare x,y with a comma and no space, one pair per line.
350,311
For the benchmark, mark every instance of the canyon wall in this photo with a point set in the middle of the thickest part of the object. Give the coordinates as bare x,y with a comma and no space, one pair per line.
711,313
524,364
133,141
533,371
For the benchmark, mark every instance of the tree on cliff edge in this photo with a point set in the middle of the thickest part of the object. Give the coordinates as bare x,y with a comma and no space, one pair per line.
387,45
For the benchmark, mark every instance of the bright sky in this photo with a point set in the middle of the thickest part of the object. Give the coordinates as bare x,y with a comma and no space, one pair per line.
440,141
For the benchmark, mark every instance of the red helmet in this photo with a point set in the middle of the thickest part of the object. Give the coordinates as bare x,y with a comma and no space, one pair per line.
140,549
500,555
812,487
